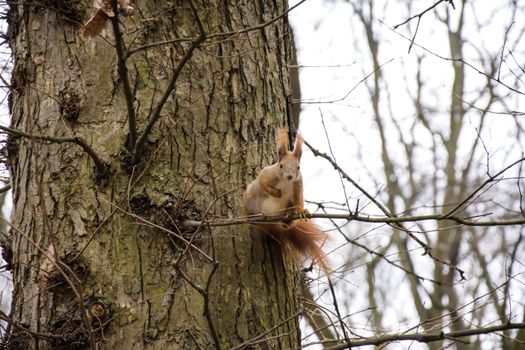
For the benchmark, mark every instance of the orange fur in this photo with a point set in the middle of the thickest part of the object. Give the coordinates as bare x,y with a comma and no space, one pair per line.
278,190
300,239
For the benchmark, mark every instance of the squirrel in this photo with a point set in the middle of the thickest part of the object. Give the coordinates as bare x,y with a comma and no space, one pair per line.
278,190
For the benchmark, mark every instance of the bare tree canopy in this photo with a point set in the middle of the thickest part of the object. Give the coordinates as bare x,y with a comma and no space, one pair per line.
135,127
418,133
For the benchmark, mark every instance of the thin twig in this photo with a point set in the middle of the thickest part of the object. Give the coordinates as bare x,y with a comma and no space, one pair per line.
386,258
228,35
124,76
205,295
377,69
415,33
336,307
503,49
51,259
54,241
398,225
486,110
171,86
151,224
361,218
376,202
489,180
419,15
102,167
333,157
261,337
427,337
460,60
45,336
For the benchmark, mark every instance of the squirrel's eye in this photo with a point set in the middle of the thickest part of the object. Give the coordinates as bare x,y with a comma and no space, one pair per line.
280,166
298,167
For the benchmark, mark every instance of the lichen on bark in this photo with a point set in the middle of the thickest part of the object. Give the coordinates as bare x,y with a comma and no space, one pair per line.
227,287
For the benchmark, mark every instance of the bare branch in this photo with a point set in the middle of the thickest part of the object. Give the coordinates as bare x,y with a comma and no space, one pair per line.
205,295
171,86
460,60
489,180
6,318
322,326
228,35
376,70
361,218
262,337
124,76
503,49
428,337
421,14
372,199
5,189
102,168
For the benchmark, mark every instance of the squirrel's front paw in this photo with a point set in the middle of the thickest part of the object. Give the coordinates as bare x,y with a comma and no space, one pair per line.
276,193
303,213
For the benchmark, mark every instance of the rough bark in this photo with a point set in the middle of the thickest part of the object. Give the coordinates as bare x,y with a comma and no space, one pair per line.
115,246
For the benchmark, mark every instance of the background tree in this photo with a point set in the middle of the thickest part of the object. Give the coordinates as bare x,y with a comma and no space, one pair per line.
115,143
129,153
421,110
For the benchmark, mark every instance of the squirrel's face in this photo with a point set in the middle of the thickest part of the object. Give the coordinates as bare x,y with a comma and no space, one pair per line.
289,167
288,161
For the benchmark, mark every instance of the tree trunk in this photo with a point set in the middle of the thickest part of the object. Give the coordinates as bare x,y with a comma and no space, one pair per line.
103,260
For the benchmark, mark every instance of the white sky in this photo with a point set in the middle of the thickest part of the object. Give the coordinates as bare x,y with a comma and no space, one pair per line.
326,40
330,46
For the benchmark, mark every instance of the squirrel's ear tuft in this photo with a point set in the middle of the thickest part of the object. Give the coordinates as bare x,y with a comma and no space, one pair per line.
281,142
298,147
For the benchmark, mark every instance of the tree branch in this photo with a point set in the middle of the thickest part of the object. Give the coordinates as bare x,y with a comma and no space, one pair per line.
171,86
258,219
5,189
428,337
206,296
489,180
421,14
371,198
124,76
218,35
102,168
460,60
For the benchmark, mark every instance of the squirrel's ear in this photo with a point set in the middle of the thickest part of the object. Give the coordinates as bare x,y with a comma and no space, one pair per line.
298,147
281,142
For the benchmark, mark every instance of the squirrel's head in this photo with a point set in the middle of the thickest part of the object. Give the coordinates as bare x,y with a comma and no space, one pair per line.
289,161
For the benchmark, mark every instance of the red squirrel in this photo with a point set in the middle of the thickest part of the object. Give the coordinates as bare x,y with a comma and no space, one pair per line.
278,190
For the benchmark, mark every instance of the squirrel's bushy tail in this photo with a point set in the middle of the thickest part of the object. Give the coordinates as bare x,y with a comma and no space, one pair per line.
301,237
